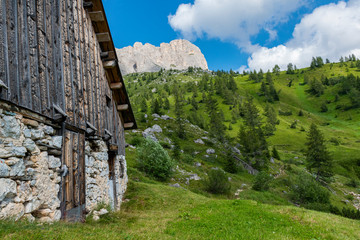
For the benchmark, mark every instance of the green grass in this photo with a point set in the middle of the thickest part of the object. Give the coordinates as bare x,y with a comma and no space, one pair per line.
156,211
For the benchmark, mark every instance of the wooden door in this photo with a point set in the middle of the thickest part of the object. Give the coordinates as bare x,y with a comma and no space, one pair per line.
73,181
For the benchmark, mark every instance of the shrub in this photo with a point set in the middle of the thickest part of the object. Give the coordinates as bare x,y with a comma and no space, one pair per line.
262,182
154,160
275,153
136,141
306,190
352,183
285,113
217,182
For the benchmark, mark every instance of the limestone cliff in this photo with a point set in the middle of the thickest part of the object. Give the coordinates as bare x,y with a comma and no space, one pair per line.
178,54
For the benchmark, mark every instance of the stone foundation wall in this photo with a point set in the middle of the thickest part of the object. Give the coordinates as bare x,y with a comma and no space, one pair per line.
30,175
99,188
29,166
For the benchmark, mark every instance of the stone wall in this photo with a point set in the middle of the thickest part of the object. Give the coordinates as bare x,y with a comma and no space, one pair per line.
29,166
30,171
99,188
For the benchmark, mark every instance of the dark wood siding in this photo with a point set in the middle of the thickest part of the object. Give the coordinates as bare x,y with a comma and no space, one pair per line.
50,55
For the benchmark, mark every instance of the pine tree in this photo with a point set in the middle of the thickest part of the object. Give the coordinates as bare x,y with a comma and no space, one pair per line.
216,125
166,104
271,120
276,70
230,165
179,112
275,153
252,138
143,105
317,156
155,107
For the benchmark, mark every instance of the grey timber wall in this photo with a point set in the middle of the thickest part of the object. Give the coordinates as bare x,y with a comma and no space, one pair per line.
50,59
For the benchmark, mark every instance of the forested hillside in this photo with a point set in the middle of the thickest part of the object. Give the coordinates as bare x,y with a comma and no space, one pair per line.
296,127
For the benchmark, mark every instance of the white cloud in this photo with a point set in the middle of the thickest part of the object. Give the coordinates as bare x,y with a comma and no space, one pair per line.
330,31
232,20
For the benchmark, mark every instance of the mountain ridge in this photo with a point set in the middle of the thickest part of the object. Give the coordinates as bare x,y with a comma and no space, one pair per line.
179,54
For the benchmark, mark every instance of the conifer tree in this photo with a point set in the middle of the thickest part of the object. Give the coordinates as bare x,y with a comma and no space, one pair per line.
216,125
143,105
155,107
275,153
252,138
166,104
317,156
179,112
271,120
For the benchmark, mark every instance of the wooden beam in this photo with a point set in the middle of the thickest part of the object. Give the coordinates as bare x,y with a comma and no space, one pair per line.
87,5
128,125
123,107
97,16
104,55
103,37
110,64
116,85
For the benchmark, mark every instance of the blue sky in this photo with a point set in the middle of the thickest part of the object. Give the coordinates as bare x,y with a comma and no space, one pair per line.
236,34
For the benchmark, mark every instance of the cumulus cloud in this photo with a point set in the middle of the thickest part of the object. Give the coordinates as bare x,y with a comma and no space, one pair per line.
330,31
232,20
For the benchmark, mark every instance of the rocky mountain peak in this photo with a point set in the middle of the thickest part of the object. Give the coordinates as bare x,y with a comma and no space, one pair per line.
178,54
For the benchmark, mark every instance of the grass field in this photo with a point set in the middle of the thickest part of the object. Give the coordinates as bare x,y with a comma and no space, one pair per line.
157,211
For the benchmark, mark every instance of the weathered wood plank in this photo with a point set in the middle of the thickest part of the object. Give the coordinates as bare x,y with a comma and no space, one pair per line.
69,178
42,48
103,37
128,125
110,64
12,28
80,43
67,64
97,16
123,107
49,49
34,55
82,168
4,60
76,174
116,86
24,71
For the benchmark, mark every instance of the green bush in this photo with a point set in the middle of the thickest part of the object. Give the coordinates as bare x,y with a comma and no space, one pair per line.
306,190
136,141
217,182
154,160
262,181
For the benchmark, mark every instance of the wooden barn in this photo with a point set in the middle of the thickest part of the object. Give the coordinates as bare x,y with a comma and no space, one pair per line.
63,110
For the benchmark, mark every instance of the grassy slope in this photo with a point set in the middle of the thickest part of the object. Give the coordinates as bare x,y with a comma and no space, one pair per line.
156,211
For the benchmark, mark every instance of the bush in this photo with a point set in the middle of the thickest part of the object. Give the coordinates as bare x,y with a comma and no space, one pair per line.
306,190
262,182
352,183
217,182
154,160
285,113
136,141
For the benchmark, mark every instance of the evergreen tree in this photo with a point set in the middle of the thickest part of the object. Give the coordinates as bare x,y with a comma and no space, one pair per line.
230,165
155,106
317,155
290,69
271,120
252,138
179,112
276,70
166,104
275,153
216,125
143,105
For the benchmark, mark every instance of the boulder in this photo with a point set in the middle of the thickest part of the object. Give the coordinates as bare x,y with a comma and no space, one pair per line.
166,117
12,210
29,145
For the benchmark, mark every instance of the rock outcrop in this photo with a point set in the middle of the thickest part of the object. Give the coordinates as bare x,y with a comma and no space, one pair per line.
178,54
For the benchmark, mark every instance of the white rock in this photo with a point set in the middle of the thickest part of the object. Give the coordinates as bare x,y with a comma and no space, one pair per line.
57,141
7,188
96,218
156,128
5,153
199,141
156,115
12,210
29,145
37,134
4,169
103,212
54,162
210,151
11,128
166,117
19,151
